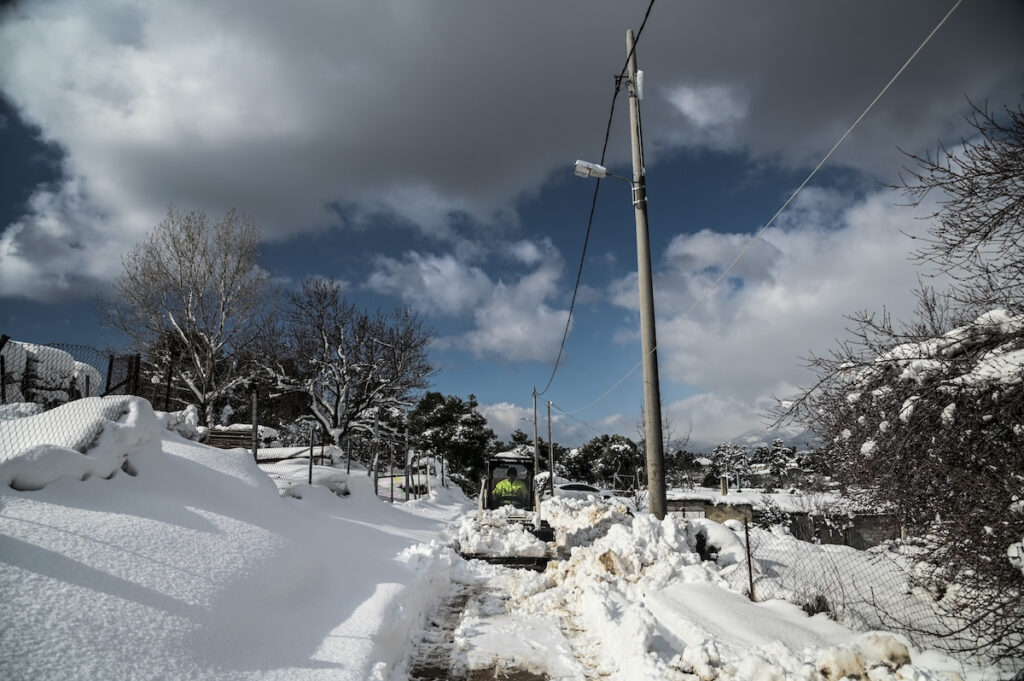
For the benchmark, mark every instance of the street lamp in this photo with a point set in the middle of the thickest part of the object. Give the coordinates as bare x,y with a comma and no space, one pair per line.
588,169
652,390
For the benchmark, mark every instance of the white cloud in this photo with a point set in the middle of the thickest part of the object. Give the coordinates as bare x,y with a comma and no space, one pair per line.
527,252
504,418
744,342
433,284
342,109
61,230
714,110
513,320
713,417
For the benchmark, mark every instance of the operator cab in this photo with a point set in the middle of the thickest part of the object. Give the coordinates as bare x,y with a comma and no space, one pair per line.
508,482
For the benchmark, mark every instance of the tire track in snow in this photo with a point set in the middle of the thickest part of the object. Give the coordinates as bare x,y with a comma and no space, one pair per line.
433,660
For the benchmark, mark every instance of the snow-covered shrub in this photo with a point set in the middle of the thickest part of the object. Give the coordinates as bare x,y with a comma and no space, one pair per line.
934,437
771,514
184,422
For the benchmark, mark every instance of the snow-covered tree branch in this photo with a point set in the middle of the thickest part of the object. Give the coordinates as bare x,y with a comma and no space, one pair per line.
193,291
926,419
353,366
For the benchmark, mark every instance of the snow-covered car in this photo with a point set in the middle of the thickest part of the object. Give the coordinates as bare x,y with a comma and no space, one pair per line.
580,490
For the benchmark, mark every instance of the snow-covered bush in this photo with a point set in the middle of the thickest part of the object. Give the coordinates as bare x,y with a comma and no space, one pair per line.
928,418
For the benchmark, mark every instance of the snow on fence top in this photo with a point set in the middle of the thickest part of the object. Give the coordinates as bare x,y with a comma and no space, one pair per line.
91,436
45,375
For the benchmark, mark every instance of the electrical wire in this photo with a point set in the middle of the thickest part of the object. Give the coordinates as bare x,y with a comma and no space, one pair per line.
785,205
580,421
593,203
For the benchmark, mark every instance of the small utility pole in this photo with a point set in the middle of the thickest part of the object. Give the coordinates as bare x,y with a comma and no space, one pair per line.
652,390
536,438
551,455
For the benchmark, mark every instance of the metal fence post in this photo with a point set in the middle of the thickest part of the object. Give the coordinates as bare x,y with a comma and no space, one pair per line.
135,367
750,569
167,384
3,369
255,430
311,455
110,374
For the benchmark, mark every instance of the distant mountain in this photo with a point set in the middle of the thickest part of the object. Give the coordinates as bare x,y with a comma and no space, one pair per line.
801,439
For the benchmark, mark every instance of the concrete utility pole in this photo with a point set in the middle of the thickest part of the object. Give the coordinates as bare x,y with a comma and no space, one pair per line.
652,390
536,437
551,455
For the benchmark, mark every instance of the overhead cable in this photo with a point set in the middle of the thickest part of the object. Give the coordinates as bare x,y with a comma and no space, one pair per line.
788,201
593,203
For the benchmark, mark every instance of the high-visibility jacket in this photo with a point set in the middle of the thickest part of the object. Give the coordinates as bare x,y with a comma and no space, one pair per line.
511,489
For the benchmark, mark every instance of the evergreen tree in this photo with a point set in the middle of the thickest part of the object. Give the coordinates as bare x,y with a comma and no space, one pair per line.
611,460
450,427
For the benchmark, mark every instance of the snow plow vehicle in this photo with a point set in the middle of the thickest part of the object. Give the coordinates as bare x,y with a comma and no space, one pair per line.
507,516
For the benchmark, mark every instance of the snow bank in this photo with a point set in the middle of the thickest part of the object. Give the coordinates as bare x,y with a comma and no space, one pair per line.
15,358
86,379
647,607
292,477
19,410
491,533
93,436
578,522
195,567
264,433
45,375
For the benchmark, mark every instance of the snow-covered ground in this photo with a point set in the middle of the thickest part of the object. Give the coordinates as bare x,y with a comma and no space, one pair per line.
128,551
175,560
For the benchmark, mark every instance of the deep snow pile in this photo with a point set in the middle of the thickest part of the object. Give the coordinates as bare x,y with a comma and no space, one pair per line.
188,563
292,476
578,522
647,607
131,551
491,533
38,449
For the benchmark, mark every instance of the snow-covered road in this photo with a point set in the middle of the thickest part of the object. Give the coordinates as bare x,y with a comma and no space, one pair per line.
144,555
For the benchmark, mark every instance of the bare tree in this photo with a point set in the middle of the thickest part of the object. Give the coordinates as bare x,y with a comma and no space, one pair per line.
354,367
979,225
194,288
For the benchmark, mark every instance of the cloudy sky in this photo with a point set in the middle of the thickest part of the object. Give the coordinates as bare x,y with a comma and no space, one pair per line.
421,153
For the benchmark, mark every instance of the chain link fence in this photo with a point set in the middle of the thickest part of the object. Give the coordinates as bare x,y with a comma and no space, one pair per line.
36,379
887,587
52,382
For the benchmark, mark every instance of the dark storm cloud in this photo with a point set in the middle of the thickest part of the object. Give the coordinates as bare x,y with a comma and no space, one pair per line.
425,109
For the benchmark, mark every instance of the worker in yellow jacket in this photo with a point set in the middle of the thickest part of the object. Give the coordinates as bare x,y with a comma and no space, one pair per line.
511,490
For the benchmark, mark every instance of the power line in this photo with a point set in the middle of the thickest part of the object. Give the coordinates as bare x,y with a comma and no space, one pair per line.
788,201
580,421
593,203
